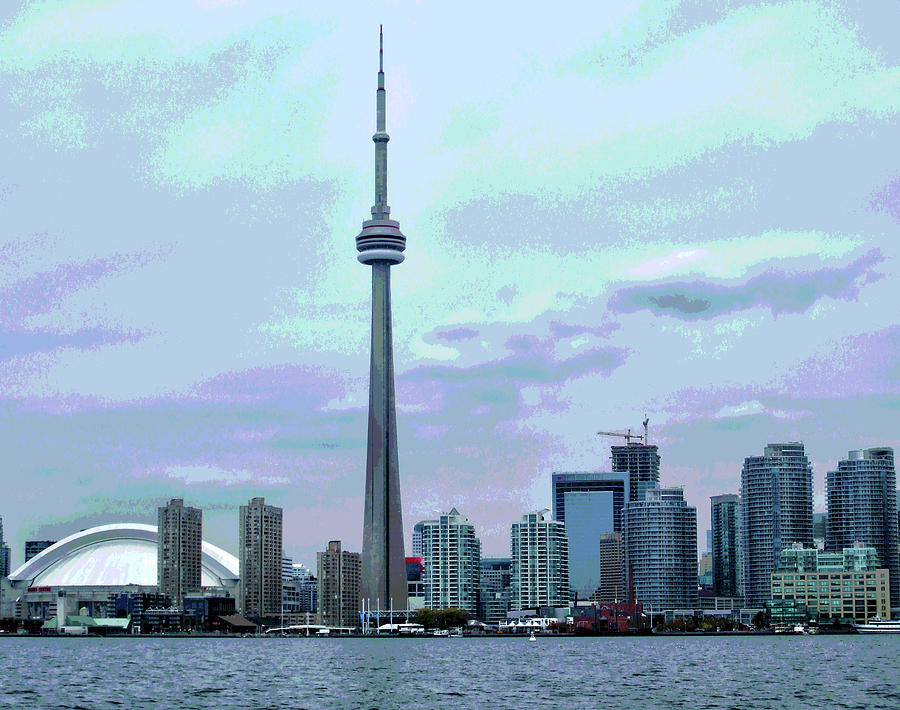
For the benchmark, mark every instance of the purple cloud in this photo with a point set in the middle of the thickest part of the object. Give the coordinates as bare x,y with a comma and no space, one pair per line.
456,335
774,289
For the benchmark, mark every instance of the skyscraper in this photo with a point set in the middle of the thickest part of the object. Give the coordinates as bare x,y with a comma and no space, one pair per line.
590,504
862,507
452,557
540,562
661,549
381,245
776,511
179,539
641,462
260,558
339,596
725,514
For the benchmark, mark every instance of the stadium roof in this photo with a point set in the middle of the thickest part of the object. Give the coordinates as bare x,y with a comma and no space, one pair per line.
116,555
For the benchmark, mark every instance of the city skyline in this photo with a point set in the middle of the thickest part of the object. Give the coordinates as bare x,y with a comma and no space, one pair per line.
651,184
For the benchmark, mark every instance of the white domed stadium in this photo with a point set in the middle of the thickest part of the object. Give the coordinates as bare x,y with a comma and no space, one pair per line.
108,559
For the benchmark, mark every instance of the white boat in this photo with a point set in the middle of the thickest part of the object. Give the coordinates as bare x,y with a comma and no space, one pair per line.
877,625
532,638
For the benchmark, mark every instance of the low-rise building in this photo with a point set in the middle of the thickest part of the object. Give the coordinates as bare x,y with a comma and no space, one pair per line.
847,585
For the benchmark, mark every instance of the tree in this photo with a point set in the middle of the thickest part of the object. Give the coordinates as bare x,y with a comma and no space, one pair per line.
441,618
759,620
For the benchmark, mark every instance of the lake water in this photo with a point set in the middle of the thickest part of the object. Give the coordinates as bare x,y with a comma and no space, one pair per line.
726,672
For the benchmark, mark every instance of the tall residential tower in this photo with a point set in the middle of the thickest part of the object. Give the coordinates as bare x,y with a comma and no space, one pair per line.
540,562
260,552
179,538
381,245
862,507
452,557
725,514
776,511
661,549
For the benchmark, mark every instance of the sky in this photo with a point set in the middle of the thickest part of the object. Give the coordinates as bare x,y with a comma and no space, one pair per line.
684,209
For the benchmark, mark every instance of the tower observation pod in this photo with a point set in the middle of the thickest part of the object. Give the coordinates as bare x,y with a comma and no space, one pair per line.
380,245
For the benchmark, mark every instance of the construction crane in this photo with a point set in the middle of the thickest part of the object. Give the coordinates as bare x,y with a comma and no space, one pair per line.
627,435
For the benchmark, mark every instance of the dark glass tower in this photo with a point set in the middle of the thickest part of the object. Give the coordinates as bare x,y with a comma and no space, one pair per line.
381,245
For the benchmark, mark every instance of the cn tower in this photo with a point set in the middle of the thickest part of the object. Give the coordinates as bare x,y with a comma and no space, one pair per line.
380,244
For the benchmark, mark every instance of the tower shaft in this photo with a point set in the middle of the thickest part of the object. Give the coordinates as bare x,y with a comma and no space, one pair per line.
384,568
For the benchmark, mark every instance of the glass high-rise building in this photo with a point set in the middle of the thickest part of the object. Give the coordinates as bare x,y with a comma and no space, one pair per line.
452,557
590,505
260,558
776,511
725,515
641,463
661,549
862,508
179,542
540,562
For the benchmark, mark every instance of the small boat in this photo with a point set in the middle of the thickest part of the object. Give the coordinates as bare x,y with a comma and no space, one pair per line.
877,625
532,638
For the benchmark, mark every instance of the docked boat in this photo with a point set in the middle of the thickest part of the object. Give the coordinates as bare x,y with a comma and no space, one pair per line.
878,625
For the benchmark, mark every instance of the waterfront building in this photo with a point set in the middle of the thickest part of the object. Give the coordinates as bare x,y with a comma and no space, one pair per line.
494,590
862,507
339,586
307,588
415,582
641,463
661,549
35,547
108,559
4,554
848,585
725,514
204,612
612,568
776,511
590,505
260,553
452,557
178,556
540,562
380,245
